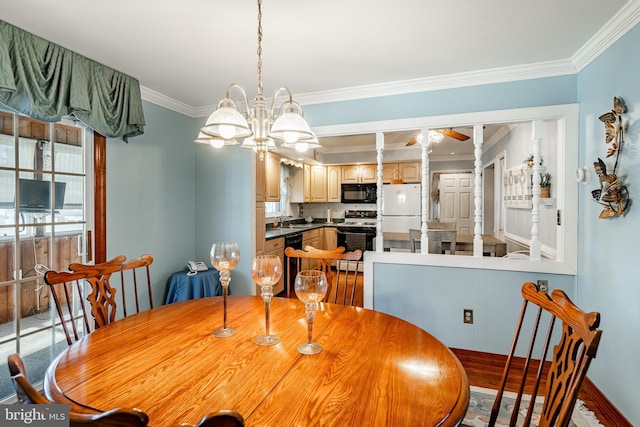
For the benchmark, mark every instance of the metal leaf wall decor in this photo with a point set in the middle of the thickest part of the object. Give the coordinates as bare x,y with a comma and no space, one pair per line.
612,194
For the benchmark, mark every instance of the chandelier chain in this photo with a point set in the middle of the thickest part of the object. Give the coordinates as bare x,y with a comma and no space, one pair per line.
260,47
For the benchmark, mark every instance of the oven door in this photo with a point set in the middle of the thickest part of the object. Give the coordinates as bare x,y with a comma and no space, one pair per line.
352,239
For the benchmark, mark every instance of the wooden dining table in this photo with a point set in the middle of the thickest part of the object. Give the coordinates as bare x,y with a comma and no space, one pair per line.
374,369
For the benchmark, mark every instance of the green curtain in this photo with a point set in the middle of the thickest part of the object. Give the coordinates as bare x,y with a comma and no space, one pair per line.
45,81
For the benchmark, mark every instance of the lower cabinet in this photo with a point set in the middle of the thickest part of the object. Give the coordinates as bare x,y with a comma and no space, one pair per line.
330,237
275,247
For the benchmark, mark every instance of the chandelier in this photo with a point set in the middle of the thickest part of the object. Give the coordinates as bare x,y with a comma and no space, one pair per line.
260,125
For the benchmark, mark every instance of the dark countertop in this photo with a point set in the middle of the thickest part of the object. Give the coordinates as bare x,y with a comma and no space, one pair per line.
274,233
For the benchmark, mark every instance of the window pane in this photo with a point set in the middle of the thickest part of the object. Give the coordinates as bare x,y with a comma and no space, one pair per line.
7,149
7,200
34,143
68,149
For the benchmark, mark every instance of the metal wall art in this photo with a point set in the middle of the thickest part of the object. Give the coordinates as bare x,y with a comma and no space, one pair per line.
612,194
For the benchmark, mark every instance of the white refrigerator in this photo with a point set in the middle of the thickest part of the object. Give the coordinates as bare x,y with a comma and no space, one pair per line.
400,207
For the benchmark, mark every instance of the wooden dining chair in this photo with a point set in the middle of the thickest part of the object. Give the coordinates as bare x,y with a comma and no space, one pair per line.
436,237
340,268
27,394
221,418
569,361
133,269
67,289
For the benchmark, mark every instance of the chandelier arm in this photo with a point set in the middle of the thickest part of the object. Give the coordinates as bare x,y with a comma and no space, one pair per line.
244,94
275,96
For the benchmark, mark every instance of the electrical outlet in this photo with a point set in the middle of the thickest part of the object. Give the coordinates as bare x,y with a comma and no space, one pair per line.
543,285
467,314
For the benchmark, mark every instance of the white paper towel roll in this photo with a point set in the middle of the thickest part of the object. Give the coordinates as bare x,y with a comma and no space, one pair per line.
328,215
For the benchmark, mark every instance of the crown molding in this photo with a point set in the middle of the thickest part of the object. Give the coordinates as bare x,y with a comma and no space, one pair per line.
167,102
617,26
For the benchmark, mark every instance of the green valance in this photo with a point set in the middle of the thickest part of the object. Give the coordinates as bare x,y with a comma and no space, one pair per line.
45,81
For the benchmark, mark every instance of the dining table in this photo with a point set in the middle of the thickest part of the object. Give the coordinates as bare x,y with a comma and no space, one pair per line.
491,246
374,369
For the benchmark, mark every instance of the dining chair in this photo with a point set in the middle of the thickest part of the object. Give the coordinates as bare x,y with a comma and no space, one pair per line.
67,289
341,269
221,418
442,225
141,266
570,358
436,237
27,394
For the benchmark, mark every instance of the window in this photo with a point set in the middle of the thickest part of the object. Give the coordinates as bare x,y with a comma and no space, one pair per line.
43,221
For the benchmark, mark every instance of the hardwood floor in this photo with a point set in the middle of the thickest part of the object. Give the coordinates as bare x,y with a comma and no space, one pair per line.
485,370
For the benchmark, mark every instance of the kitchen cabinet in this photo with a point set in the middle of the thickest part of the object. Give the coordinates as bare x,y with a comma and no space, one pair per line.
330,238
334,180
311,238
359,174
272,169
318,184
275,247
307,182
409,172
261,180
260,228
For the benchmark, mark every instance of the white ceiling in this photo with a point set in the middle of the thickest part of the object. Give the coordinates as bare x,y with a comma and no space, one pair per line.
185,53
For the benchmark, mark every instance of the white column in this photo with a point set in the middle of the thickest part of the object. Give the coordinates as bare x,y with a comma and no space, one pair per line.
425,190
478,139
534,246
379,231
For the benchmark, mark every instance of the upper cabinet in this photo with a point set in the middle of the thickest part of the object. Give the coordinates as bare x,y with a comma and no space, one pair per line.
272,169
334,179
318,184
407,172
359,174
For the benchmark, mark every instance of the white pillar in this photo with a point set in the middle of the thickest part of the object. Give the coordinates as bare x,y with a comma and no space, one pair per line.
426,185
379,231
478,139
534,246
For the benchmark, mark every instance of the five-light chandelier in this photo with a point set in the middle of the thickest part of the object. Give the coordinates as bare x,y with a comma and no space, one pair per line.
259,125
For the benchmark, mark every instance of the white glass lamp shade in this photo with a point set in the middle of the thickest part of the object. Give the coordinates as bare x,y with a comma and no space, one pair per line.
291,126
303,145
226,122
214,142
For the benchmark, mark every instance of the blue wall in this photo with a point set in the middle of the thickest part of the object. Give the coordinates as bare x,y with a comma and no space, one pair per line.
608,262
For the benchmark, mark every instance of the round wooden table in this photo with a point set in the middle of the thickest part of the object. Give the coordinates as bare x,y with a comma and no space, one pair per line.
374,370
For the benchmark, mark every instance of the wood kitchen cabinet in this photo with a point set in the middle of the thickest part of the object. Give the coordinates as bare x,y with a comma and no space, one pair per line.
275,247
359,174
306,187
409,172
334,180
311,238
272,173
330,238
260,228
318,185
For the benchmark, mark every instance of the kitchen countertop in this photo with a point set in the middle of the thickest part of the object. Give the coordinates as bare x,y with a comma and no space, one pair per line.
274,233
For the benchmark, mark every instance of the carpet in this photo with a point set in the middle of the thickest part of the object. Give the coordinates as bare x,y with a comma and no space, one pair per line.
481,402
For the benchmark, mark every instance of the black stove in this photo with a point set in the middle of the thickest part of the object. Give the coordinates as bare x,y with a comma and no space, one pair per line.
358,230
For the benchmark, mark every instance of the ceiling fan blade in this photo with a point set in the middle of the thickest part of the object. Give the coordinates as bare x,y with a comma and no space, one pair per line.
453,134
412,141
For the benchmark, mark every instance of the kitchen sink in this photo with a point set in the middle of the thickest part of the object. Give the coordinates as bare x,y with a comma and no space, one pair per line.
299,226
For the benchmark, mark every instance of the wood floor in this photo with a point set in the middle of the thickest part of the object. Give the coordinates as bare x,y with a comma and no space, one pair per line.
485,370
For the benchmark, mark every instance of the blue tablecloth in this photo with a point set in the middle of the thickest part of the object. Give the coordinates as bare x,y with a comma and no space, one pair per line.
181,287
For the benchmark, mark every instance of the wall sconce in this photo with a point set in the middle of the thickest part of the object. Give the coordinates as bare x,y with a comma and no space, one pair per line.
612,194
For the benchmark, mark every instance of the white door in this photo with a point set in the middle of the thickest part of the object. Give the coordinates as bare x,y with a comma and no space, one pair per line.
456,200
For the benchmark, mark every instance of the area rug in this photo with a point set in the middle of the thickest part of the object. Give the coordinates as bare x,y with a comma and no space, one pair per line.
481,402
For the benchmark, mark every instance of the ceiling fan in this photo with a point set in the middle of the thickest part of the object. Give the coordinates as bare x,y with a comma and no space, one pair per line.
447,132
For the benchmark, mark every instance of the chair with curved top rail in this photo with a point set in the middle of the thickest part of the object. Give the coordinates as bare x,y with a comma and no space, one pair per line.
570,357
140,265
27,394
341,269
67,289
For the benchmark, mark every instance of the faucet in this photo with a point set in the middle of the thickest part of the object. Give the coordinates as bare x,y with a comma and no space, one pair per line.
283,218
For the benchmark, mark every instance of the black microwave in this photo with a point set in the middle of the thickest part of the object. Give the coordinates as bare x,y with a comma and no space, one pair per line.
359,193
